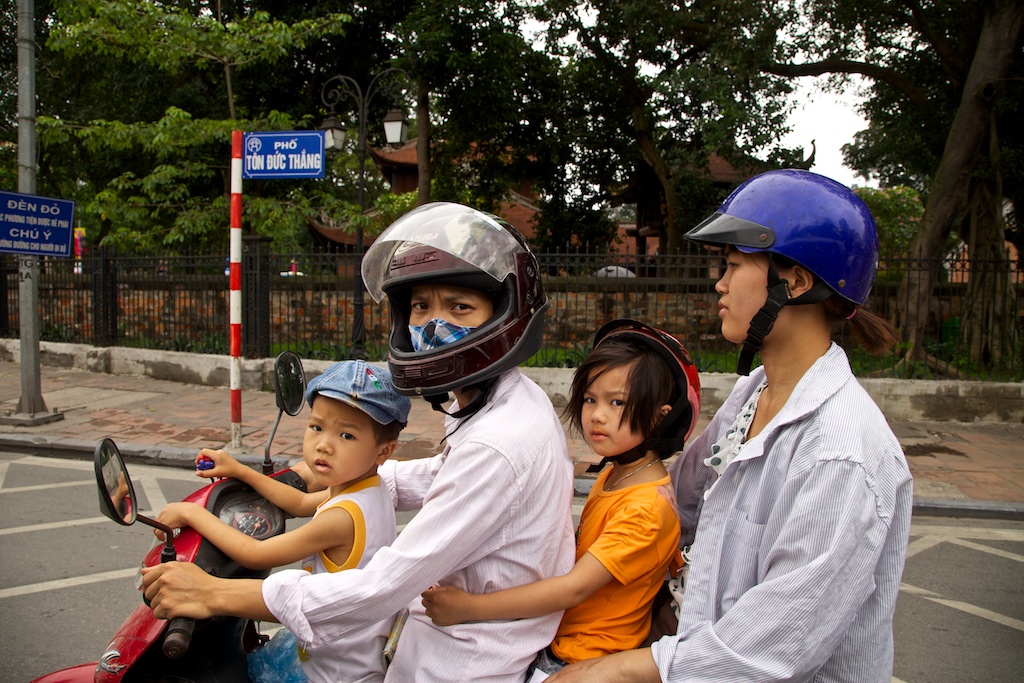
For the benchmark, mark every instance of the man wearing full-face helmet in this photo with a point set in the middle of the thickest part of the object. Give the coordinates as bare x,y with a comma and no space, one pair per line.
494,506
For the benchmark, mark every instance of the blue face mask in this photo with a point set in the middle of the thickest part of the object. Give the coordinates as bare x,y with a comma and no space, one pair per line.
436,333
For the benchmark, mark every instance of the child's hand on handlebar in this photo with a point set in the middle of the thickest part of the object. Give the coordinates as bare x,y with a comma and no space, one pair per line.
212,463
176,516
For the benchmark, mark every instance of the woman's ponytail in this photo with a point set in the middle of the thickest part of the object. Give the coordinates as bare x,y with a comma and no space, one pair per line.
873,332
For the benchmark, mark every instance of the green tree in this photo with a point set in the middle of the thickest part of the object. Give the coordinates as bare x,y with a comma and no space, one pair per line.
897,212
175,38
945,99
151,171
662,87
8,97
484,99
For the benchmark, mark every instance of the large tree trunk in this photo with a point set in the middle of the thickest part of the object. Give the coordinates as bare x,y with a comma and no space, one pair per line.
424,162
987,328
652,155
948,193
644,130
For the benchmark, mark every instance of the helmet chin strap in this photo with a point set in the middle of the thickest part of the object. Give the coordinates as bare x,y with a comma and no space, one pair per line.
483,390
630,456
764,320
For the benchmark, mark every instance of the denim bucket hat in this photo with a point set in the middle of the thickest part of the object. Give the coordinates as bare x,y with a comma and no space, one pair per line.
362,386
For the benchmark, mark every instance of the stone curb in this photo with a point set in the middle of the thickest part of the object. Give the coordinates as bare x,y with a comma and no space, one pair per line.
168,456
899,400
966,507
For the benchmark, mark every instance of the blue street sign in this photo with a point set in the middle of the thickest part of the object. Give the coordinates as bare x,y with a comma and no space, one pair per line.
41,226
284,154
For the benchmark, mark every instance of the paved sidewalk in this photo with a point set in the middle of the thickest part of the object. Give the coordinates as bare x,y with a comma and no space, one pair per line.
959,468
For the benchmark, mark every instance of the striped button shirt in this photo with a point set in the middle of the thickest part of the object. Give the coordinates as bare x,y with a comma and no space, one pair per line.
800,545
496,513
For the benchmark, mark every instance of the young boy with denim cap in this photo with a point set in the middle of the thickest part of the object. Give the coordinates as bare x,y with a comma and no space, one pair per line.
355,418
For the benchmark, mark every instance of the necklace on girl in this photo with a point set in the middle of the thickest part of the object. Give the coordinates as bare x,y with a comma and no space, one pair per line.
638,469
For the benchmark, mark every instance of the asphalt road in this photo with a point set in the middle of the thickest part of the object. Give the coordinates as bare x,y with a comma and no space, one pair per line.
67,575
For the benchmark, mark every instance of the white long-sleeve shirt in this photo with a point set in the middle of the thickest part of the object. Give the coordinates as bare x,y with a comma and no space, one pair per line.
800,545
495,513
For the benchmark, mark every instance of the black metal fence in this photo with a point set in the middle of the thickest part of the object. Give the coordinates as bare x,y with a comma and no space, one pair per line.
304,302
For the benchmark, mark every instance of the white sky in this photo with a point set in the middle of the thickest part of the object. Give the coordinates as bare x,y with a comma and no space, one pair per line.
831,121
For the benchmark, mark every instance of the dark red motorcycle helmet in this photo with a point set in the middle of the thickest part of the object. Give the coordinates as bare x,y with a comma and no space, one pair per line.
447,243
671,433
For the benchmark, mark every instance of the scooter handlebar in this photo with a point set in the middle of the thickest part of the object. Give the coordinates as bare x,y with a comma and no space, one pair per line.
178,637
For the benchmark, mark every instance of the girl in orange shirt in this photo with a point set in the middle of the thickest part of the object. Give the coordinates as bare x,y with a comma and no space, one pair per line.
634,399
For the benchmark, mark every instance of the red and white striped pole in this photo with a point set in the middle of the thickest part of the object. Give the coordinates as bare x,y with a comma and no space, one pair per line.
235,264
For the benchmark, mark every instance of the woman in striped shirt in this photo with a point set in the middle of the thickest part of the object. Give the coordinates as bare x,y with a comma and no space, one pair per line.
798,489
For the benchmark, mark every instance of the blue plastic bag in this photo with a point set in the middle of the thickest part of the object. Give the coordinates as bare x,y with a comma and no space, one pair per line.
277,661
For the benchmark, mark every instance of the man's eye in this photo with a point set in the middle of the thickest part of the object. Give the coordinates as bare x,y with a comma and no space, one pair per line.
315,428
348,437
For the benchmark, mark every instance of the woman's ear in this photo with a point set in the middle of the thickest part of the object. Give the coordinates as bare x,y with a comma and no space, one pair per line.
800,280
665,410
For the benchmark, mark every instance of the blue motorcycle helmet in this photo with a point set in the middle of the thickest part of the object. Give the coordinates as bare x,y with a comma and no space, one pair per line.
808,219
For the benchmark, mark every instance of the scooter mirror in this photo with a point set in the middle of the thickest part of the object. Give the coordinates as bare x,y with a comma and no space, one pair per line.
290,382
117,494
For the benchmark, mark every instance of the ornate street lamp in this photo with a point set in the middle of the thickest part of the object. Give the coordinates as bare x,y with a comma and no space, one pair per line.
334,133
392,83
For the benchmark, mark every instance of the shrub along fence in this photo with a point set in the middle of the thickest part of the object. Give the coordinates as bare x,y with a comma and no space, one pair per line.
304,302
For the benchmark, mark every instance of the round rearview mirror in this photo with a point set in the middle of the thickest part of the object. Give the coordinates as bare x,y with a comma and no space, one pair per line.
117,495
289,382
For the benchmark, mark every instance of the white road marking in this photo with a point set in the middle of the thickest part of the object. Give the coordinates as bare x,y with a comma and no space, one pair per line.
46,526
986,549
977,533
154,494
922,544
963,607
136,470
47,487
66,583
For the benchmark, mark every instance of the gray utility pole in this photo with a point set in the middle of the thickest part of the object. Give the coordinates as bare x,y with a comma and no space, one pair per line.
31,408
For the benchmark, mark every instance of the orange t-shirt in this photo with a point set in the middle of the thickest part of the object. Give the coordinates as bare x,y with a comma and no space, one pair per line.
634,533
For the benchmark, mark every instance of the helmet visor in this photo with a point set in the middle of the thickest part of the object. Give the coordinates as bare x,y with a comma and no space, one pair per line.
472,236
722,229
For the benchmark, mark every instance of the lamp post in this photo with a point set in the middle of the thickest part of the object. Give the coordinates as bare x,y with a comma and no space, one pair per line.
392,83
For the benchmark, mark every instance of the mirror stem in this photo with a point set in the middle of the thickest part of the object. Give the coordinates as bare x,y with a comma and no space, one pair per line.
268,464
168,554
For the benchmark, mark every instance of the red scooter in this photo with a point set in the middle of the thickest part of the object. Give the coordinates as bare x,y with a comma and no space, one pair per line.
150,650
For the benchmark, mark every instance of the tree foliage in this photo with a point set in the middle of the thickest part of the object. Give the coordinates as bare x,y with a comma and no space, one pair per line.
897,212
945,99
175,38
652,85
491,97
138,101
